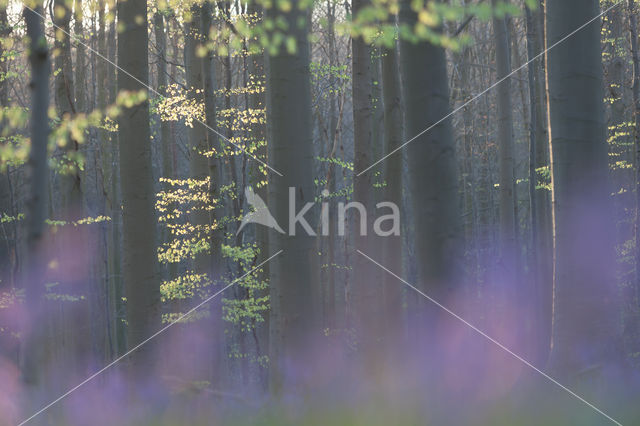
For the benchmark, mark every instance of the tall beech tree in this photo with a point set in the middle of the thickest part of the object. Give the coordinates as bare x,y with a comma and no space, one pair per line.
540,200
635,57
70,179
161,71
391,93
586,335
508,249
139,268
431,168
198,146
33,277
293,319
216,175
6,264
367,291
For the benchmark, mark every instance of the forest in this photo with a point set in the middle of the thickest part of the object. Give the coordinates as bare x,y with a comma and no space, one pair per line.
318,212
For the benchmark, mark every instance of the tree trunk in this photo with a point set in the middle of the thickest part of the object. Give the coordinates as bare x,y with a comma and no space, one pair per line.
198,161
81,74
367,288
508,247
138,215
32,362
70,184
108,156
293,282
161,70
257,102
116,200
635,55
585,332
215,172
542,292
393,191
329,283
7,234
432,170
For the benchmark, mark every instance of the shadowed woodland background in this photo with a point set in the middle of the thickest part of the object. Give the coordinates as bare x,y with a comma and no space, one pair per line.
508,133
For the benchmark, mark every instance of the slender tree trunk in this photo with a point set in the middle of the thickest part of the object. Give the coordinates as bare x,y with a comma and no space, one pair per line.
200,81
138,223
542,291
367,289
107,156
293,282
393,191
116,199
257,103
70,182
80,68
32,362
432,173
7,237
72,320
635,55
215,172
330,285
468,190
508,247
586,339
198,161
161,70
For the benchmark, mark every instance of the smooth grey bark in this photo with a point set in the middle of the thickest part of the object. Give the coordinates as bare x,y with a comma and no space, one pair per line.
64,91
32,353
470,180
293,282
7,230
392,251
635,56
463,59
367,287
80,68
200,79
234,205
329,278
71,318
215,172
432,173
508,247
107,45
586,335
540,203
104,333
541,292
257,101
161,71
198,147
139,230
70,181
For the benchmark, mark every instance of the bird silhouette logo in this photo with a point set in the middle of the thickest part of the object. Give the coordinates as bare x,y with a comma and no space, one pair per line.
260,213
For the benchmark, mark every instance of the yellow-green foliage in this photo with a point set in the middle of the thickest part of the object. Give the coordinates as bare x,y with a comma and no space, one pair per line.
180,199
185,286
180,105
246,312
